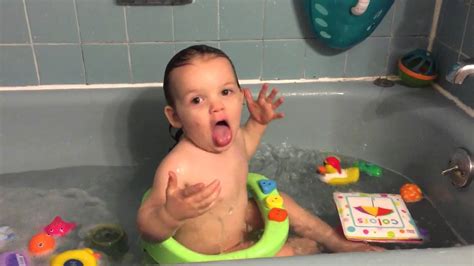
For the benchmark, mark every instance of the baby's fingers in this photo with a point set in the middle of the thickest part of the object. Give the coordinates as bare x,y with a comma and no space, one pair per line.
191,190
248,95
278,102
208,195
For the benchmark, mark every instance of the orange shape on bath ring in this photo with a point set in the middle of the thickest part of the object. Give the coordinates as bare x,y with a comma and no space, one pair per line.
411,193
277,214
41,244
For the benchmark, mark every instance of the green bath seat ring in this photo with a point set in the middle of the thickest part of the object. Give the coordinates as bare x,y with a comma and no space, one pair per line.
272,240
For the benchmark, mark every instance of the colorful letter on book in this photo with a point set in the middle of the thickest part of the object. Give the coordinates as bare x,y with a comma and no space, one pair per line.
375,217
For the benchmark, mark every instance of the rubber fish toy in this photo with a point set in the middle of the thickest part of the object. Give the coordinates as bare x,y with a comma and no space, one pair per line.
59,227
332,174
41,244
85,256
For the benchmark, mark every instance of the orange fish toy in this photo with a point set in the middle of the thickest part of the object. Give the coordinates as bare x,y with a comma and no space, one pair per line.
41,244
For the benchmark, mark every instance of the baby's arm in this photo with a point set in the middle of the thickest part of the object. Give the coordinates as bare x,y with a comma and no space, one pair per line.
168,207
262,112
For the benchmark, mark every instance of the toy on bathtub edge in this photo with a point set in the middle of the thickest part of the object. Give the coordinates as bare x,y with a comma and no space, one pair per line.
13,258
85,256
332,173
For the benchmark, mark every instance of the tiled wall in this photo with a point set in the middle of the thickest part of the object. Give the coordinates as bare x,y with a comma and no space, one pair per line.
455,42
97,41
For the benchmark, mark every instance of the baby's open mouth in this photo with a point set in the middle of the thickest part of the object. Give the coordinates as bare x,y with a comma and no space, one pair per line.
221,133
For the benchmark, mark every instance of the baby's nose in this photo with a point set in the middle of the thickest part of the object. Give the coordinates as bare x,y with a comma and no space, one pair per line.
216,106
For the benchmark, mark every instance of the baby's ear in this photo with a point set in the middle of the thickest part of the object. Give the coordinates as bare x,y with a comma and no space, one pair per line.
172,117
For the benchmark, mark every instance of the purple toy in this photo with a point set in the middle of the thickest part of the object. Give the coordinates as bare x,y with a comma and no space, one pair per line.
13,259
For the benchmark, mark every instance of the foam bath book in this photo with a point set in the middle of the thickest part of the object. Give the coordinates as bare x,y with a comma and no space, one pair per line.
375,217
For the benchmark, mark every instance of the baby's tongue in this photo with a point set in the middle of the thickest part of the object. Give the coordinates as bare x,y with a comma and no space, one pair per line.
221,135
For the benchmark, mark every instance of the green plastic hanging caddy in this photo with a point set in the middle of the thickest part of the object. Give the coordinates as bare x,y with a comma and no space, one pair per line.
344,23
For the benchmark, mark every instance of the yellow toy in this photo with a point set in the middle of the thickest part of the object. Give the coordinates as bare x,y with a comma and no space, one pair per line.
85,257
332,173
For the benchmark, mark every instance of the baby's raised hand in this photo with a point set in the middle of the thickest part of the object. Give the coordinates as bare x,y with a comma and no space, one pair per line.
263,109
191,201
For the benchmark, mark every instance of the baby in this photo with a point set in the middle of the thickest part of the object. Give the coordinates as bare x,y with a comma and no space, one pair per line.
199,194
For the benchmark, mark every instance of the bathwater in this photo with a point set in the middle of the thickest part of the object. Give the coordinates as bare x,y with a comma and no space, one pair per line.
92,195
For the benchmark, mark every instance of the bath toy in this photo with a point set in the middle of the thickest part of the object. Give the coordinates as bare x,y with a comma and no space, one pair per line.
13,259
411,193
273,238
108,238
417,68
274,201
41,244
267,186
333,162
6,235
332,174
277,214
76,257
59,227
368,168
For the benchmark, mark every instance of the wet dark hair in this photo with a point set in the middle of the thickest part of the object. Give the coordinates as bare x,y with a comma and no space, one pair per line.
183,58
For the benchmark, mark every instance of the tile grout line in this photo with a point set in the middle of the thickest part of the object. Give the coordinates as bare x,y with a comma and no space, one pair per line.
464,32
218,24
83,64
263,40
35,61
127,38
172,30
391,37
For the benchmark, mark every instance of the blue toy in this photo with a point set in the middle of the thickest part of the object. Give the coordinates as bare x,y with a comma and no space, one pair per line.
267,185
344,23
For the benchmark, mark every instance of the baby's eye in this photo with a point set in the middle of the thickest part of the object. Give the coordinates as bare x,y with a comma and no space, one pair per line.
196,100
226,91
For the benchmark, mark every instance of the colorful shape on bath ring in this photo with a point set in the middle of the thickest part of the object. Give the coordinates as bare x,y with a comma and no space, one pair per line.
277,214
267,186
13,259
274,201
374,211
76,257
272,240
411,193
59,227
41,244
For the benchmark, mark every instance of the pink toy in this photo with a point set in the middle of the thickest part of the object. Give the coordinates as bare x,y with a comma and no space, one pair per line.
59,227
